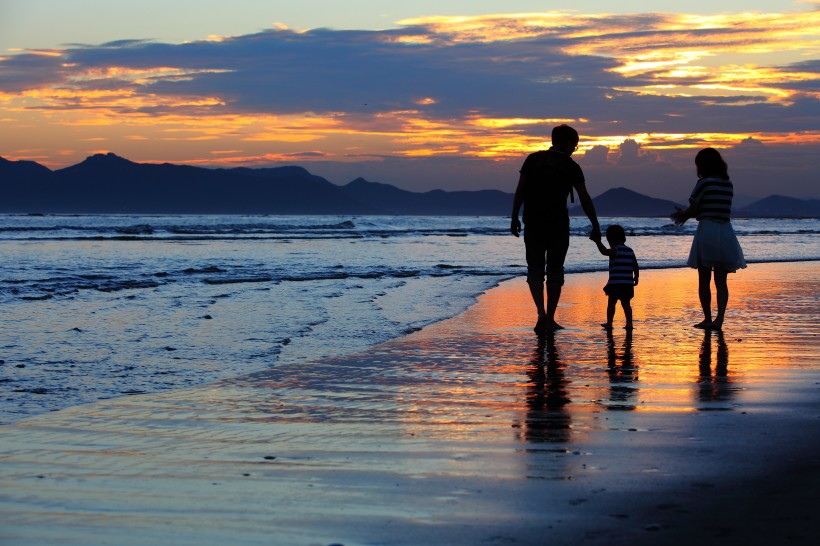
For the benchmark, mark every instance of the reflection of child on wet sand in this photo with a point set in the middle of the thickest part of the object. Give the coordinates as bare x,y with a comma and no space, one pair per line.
623,274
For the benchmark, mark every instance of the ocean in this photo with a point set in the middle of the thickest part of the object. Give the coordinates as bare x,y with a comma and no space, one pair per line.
96,307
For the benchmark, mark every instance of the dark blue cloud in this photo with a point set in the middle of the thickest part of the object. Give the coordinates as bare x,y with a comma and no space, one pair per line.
370,72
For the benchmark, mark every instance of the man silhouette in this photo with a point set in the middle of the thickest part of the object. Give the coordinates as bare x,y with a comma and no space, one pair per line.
547,178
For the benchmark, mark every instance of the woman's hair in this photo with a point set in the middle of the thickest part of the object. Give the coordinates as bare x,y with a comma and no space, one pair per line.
709,163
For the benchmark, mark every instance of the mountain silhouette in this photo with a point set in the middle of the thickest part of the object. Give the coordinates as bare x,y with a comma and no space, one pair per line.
780,206
625,202
108,183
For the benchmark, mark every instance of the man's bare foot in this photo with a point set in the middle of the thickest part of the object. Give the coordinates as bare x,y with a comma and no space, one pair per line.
606,326
704,324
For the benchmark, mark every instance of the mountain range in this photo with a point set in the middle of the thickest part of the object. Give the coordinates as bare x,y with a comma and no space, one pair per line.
107,183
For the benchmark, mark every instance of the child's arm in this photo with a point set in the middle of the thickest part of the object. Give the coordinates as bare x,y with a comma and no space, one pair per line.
604,250
635,269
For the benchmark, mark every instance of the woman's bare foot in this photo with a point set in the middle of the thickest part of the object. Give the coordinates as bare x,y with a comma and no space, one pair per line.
546,324
705,324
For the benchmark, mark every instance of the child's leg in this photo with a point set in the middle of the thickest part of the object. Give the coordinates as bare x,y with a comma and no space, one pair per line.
610,312
625,303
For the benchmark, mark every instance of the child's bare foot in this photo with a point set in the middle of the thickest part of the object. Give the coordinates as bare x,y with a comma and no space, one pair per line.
704,324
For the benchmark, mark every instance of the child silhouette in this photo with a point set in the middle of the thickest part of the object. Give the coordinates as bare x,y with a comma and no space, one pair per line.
623,274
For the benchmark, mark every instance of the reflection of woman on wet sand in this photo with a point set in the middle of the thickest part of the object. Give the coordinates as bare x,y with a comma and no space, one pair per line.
714,387
715,247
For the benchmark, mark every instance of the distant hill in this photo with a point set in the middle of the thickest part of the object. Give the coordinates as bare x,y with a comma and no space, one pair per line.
107,183
780,206
624,202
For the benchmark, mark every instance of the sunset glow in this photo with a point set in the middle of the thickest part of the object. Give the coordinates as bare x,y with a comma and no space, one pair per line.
473,86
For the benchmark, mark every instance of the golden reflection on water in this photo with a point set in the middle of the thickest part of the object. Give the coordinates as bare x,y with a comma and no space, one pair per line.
486,373
570,378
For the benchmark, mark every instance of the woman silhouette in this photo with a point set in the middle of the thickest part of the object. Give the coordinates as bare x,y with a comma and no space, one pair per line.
715,246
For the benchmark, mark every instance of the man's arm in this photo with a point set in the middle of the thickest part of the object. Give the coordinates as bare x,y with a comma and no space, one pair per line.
589,210
518,200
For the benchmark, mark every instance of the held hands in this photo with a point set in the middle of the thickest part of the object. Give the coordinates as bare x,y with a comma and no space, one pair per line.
595,234
515,226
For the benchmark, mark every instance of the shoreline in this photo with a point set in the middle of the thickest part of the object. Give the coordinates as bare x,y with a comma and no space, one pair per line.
468,431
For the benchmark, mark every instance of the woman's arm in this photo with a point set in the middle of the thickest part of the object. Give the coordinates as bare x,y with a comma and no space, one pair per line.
680,216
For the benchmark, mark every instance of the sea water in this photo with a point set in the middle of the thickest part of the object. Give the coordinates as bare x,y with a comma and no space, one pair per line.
97,307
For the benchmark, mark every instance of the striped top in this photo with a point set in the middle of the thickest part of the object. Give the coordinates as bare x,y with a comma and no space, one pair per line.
714,198
622,266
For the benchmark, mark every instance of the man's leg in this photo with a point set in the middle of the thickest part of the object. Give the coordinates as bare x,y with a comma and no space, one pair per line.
535,244
537,292
553,295
557,247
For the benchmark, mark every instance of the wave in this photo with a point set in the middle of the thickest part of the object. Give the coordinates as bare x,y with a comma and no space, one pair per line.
295,235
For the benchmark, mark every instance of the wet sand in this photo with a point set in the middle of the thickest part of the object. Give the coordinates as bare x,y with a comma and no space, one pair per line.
472,431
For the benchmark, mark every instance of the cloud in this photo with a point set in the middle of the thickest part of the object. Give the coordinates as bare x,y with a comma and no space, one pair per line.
475,87
597,155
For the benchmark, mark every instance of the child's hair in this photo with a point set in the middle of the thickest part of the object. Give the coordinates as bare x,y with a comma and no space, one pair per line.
616,233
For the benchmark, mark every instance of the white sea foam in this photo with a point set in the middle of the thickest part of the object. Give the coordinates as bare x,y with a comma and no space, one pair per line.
104,306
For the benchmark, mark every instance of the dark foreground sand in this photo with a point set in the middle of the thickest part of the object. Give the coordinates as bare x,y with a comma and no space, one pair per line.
472,431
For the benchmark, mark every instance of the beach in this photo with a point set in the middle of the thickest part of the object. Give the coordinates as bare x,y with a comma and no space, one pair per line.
473,430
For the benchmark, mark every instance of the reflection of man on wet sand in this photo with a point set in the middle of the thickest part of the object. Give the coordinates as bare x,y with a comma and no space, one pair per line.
547,178
547,396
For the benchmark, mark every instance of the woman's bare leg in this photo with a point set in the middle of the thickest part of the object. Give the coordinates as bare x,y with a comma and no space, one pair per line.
722,295
705,295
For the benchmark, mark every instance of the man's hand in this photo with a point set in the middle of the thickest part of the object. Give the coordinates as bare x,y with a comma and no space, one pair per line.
596,233
515,226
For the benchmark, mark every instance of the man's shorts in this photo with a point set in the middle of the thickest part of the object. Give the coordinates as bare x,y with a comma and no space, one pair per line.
621,292
547,247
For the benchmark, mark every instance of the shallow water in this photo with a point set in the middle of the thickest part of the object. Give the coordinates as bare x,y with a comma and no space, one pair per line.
97,307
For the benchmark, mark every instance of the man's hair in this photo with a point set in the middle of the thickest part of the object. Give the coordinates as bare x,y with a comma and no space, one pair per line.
709,163
564,135
616,233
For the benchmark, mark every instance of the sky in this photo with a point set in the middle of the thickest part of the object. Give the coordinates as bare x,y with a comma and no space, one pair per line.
424,94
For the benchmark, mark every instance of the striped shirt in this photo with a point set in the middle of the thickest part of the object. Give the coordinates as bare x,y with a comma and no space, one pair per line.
714,198
622,266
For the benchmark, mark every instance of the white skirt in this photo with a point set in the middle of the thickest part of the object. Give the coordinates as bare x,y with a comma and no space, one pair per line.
715,246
